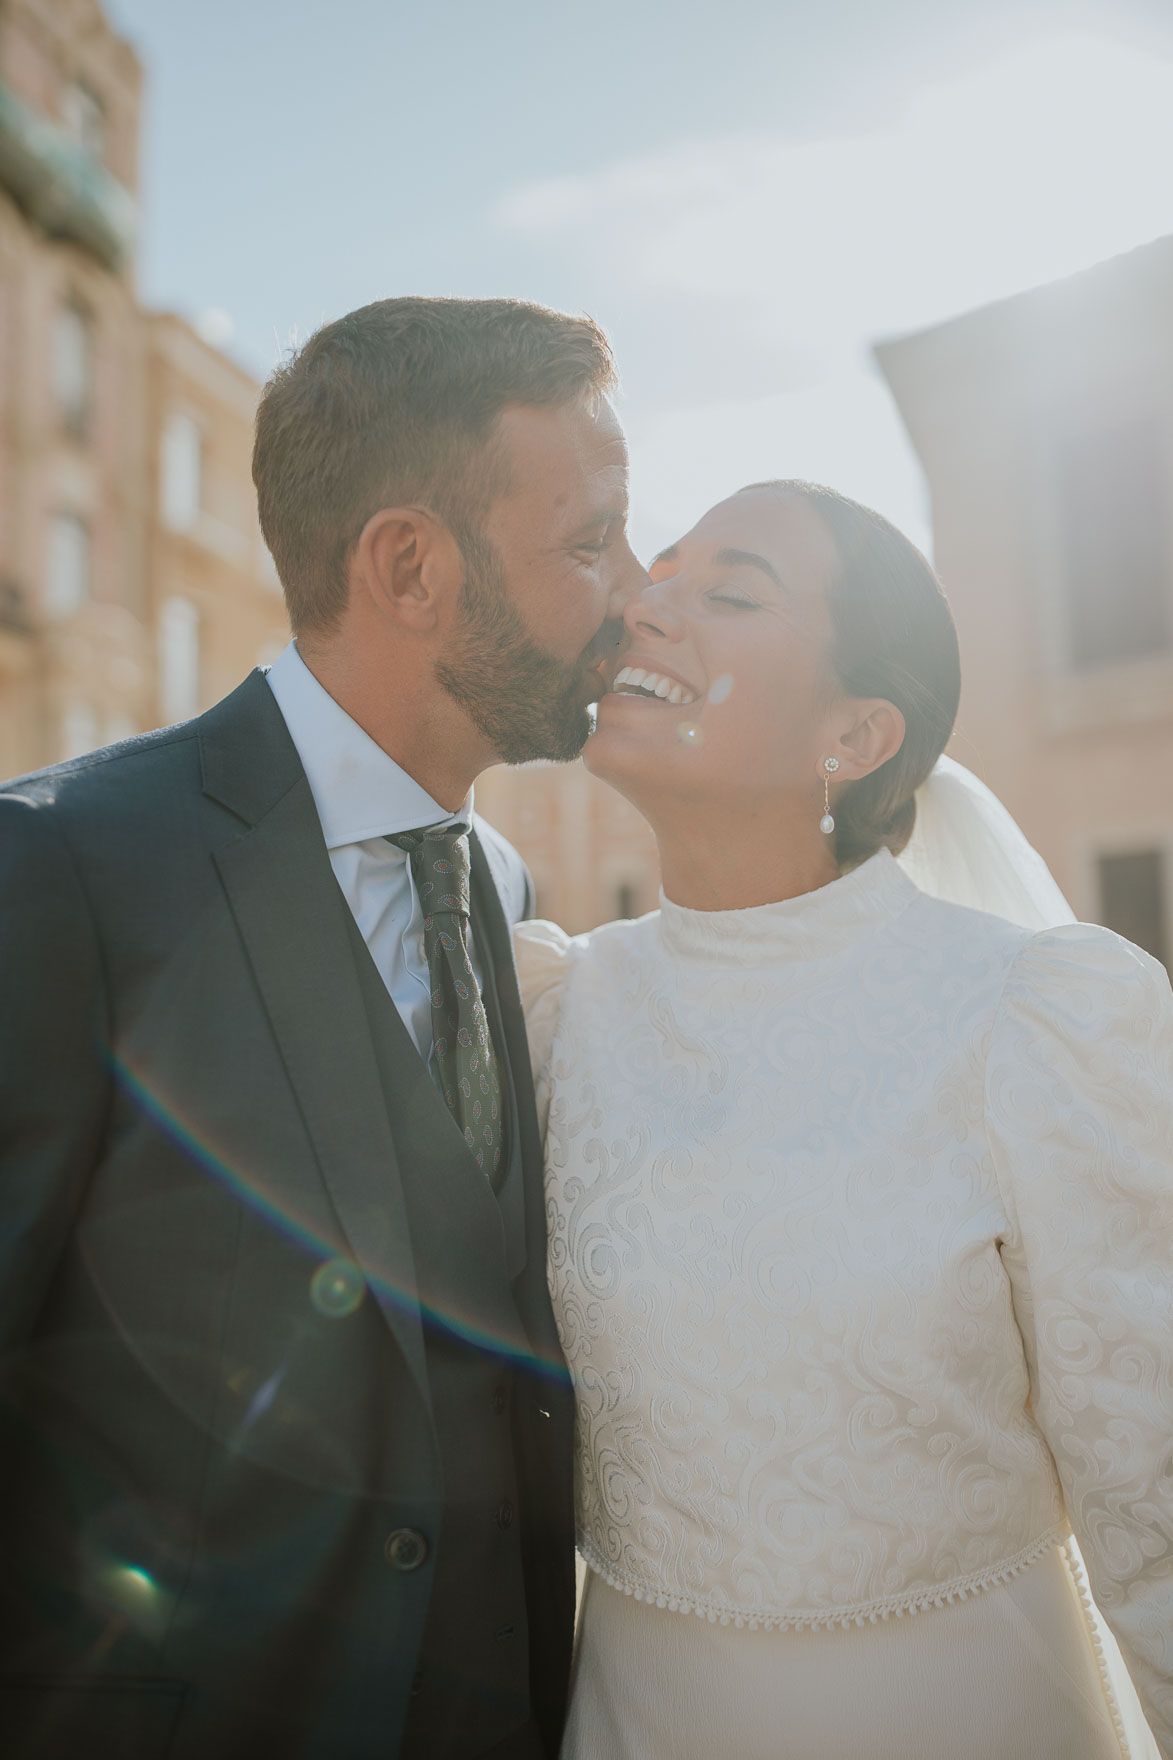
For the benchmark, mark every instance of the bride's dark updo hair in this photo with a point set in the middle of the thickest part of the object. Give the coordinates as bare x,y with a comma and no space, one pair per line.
892,636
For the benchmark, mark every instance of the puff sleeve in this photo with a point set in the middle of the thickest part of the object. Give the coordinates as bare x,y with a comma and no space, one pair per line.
543,954
1079,1104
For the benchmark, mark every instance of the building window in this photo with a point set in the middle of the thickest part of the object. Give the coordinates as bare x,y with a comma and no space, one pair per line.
79,729
181,467
179,660
1116,547
73,367
84,116
1132,899
67,584
626,899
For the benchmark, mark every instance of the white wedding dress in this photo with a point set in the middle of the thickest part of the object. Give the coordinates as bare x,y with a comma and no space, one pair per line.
861,1211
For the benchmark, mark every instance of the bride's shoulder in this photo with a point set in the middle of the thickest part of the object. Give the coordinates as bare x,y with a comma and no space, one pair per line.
546,954
942,920
1084,975
1072,970
542,951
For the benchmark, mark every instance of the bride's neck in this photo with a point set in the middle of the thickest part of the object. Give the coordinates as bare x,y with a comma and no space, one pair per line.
728,861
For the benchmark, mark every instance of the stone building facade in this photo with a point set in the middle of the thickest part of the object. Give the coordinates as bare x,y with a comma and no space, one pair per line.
72,419
115,603
214,599
1045,427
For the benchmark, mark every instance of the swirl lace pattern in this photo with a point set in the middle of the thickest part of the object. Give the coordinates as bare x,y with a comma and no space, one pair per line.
861,1212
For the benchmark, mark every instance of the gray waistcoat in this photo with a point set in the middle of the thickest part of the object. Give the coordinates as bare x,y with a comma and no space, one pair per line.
472,1683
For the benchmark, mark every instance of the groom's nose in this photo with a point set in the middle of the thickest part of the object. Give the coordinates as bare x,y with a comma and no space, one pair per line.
629,580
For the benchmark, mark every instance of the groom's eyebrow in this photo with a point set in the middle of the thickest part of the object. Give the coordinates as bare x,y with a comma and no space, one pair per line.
605,519
749,559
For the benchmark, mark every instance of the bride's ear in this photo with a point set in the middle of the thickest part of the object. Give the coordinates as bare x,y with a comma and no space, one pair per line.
876,735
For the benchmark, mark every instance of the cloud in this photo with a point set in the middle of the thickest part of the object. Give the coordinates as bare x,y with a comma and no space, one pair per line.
743,278
215,326
1032,167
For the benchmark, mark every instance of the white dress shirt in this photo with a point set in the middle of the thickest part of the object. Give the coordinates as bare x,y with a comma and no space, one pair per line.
361,796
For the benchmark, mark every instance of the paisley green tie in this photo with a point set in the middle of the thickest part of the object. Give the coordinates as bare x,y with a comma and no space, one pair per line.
463,1059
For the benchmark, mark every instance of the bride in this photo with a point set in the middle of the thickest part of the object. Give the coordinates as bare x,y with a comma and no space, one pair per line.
861,1205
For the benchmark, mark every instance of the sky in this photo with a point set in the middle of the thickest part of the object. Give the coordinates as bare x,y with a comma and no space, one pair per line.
746,195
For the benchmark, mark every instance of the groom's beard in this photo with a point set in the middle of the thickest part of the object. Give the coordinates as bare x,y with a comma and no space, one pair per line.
524,701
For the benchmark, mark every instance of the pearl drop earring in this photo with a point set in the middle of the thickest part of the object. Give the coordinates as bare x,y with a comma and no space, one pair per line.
827,822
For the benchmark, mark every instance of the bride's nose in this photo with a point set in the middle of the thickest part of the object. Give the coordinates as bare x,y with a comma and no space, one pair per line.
651,612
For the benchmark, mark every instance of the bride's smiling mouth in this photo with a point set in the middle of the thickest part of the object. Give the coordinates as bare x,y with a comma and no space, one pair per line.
653,685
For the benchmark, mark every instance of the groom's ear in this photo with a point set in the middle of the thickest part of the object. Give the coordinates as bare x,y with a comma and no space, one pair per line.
409,566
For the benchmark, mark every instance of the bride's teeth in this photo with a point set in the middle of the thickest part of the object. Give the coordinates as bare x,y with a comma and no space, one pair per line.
637,678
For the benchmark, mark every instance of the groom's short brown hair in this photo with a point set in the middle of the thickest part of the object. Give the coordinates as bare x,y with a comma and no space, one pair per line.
395,404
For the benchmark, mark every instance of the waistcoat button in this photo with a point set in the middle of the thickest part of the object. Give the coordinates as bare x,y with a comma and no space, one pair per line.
405,1549
505,1515
499,1401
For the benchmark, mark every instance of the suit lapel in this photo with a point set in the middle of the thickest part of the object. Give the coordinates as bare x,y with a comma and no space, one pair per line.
293,921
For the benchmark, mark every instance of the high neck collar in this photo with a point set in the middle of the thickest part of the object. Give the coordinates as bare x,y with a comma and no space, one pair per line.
813,926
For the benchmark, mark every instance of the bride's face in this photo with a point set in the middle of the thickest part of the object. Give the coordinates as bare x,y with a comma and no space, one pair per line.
736,623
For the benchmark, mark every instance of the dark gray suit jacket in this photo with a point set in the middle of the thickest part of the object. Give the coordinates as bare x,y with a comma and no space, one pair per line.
206,1439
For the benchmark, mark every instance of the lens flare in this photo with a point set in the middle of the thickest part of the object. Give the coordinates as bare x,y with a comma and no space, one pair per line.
273,1206
134,1594
721,688
689,734
336,1288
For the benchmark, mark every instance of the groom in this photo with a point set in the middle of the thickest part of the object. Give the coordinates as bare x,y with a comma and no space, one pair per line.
284,1425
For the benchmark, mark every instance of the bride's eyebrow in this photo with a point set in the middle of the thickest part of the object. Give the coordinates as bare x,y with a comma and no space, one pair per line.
668,555
749,559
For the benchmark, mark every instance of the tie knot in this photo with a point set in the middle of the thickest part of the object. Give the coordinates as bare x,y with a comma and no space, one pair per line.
439,867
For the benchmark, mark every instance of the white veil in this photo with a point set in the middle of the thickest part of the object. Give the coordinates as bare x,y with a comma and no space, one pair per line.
967,849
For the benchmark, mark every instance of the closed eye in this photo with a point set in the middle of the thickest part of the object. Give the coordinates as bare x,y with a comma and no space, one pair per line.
594,547
724,597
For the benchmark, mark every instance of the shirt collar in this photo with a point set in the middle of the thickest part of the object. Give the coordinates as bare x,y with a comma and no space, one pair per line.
358,790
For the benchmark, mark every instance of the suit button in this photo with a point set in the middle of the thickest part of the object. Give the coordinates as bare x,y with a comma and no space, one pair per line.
417,1683
405,1549
500,1401
505,1514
